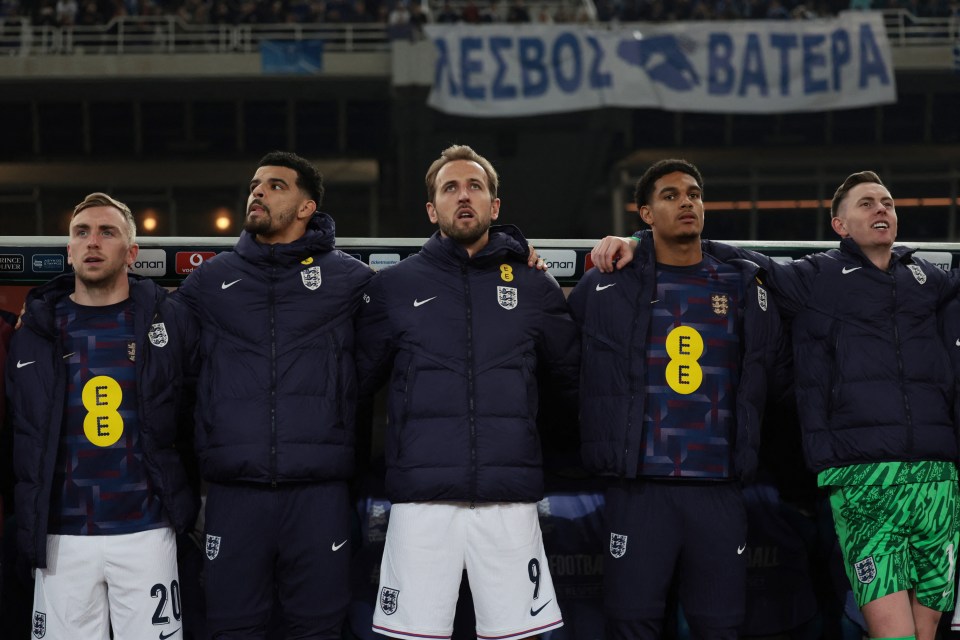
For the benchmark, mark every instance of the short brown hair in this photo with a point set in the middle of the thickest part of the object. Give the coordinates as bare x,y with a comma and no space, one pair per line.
852,180
98,199
460,152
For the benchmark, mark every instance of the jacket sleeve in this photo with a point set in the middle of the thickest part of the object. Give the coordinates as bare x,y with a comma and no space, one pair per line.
789,283
374,339
949,325
762,328
577,300
559,346
188,293
189,330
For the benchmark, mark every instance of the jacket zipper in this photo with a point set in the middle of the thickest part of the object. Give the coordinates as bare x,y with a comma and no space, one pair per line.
471,405
271,305
896,341
635,382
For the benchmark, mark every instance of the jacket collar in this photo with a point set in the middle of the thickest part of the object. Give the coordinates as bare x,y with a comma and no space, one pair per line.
42,300
901,253
320,237
505,242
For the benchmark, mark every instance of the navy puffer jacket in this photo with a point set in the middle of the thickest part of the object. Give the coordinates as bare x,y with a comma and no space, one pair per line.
874,381
37,396
277,390
464,341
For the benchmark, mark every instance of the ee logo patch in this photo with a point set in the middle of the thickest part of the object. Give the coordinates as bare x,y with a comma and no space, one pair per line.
684,346
101,397
506,273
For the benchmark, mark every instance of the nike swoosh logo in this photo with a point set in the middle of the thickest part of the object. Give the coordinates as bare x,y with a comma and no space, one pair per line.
227,285
335,547
164,636
534,612
606,286
21,365
73,352
417,303
847,270
741,549
958,342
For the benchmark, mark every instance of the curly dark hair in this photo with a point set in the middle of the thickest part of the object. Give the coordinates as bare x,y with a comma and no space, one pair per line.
659,169
309,178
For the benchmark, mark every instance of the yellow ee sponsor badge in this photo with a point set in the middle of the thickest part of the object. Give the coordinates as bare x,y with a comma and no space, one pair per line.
101,397
684,346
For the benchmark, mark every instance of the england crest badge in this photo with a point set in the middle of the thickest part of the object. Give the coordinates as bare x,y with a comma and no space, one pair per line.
311,278
39,624
507,297
388,600
762,298
917,273
618,544
158,335
866,570
720,303
213,546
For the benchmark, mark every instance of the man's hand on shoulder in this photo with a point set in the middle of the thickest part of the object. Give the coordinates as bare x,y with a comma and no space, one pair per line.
533,260
613,252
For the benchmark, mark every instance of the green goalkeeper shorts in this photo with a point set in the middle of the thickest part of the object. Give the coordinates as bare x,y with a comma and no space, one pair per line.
899,537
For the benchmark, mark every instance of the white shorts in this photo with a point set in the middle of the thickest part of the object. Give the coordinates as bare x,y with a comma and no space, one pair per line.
430,544
128,581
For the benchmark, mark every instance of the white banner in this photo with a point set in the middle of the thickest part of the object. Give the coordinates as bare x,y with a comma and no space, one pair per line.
764,66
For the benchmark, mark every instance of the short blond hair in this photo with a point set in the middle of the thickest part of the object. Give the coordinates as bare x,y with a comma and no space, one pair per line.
98,199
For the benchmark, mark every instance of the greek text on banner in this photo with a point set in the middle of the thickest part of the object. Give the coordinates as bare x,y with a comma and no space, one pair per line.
724,67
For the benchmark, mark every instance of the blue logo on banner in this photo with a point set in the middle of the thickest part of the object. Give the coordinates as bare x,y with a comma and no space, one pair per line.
291,58
664,58
47,263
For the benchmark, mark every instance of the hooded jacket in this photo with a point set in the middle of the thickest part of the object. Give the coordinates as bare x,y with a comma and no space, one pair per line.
277,388
464,342
874,382
615,328
37,397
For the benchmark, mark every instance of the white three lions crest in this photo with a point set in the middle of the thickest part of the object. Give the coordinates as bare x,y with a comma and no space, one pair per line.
917,273
158,335
213,546
618,544
507,297
762,298
866,570
311,278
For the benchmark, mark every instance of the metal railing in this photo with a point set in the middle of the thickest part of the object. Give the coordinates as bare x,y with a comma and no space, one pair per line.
905,29
170,35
